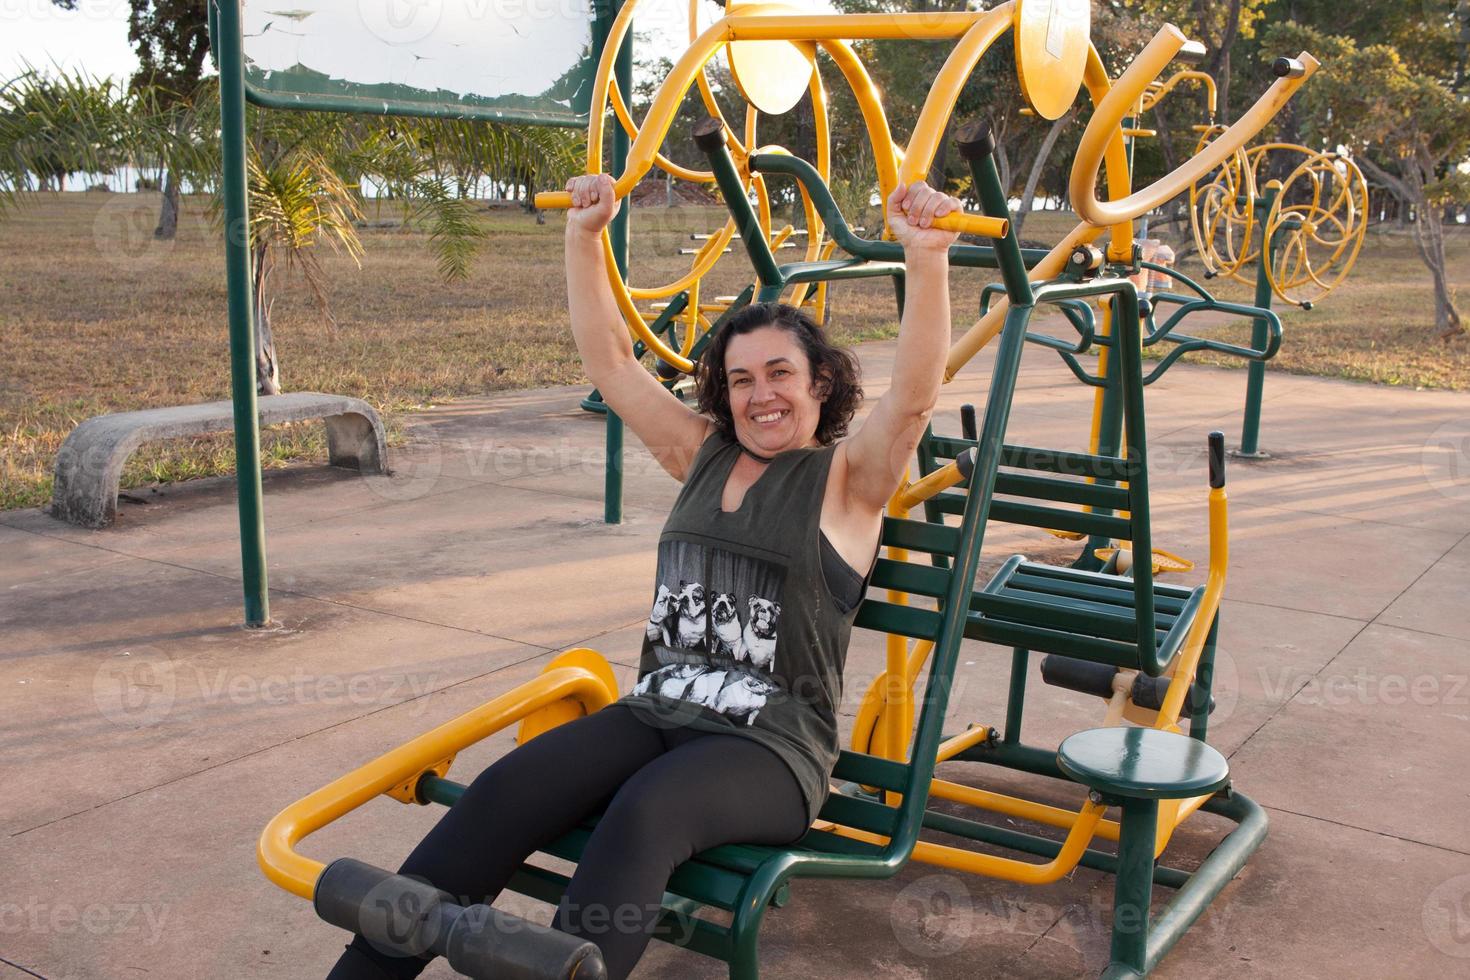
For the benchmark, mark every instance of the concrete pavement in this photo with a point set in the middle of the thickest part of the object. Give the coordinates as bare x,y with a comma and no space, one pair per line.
147,738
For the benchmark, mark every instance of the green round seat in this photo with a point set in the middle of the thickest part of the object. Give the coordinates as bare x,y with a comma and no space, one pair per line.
1143,763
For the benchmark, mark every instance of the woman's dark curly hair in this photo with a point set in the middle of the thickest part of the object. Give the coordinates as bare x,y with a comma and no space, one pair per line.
836,378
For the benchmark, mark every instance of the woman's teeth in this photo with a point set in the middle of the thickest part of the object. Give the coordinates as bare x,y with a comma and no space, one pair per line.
770,417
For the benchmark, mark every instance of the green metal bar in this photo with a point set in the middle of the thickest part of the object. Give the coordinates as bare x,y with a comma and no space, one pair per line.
612,487
401,107
1204,685
1250,431
1134,886
710,138
1016,695
231,59
993,202
1211,877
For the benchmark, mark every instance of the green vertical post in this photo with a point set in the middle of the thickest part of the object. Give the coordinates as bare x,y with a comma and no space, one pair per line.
231,60
612,492
1133,889
1016,695
1250,432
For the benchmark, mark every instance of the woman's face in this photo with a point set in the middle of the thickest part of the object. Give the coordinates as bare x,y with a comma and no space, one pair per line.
770,385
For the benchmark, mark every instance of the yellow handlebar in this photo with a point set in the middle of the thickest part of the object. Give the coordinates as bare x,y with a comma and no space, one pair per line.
1125,93
969,224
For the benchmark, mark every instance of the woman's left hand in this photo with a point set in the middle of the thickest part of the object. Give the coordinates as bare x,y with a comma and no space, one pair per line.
911,214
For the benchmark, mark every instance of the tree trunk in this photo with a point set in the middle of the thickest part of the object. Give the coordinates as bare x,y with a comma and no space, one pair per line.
168,214
267,368
1037,166
1428,234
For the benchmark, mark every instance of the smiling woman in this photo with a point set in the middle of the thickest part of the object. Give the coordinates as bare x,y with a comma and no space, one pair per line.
730,734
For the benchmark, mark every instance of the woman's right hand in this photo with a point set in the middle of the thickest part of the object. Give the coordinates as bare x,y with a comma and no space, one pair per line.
594,203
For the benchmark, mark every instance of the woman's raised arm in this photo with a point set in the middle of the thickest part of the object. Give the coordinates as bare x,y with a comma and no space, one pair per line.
880,450
670,429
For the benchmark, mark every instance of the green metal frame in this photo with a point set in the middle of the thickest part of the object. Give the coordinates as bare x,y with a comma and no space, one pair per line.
1110,618
227,45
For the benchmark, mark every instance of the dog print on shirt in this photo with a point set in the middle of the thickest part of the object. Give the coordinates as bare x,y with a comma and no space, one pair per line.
713,630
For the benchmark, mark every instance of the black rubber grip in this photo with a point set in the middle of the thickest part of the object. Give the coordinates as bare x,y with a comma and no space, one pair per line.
1081,676
1192,53
1288,68
1216,443
965,462
975,139
709,134
665,370
967,422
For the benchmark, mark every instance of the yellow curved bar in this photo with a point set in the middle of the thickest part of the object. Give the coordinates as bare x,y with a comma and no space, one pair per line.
1157,90
1012,806
1006,869
296,873
706,94
620,109
944,92
1125,92
704,260
1116,158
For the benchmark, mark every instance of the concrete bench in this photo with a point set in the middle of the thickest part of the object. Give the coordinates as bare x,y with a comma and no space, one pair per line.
90,462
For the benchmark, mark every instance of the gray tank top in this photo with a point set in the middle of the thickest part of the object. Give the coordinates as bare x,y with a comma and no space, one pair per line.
748,634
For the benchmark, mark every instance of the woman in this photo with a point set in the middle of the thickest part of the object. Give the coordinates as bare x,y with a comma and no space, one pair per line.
730,734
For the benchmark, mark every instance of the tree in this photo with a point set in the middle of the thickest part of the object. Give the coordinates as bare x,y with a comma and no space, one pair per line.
1410,132
171,39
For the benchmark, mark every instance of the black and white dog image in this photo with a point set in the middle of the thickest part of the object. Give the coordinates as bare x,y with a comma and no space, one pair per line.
692,621
727,625
659,621
705,688
670,681
741,700
759,638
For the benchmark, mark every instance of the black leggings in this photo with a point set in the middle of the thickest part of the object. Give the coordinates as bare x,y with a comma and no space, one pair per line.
670,793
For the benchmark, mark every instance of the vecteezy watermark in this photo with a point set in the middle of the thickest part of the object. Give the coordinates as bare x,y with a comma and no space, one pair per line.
933,916
41,10
1364,687
34,915
123,229
1447,917
400,21
141,687
136,687
1445,459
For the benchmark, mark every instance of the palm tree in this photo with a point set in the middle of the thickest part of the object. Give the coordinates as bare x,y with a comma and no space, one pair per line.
306,170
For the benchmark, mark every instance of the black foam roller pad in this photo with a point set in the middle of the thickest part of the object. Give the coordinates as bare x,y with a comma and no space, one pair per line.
390,911
1081,676
491,944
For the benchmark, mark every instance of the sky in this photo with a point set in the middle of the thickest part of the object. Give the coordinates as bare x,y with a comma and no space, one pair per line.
94,37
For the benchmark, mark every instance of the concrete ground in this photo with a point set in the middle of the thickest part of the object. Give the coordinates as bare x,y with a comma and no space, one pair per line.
146,738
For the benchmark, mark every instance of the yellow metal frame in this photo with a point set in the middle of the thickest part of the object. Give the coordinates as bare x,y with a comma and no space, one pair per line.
575,683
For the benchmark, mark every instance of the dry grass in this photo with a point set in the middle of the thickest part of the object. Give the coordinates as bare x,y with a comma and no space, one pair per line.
98,317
